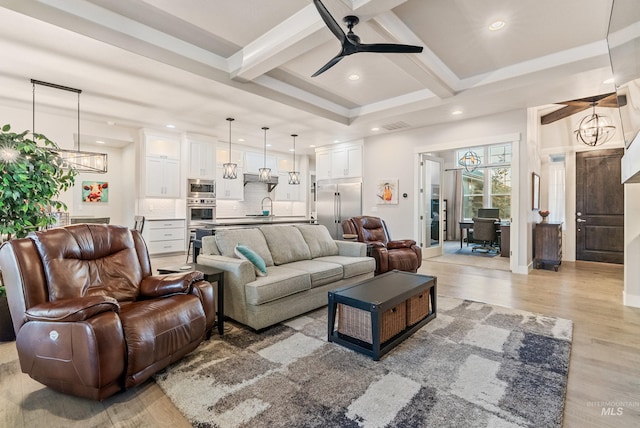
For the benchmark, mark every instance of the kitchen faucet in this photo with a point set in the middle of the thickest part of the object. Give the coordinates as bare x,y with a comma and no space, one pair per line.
270,205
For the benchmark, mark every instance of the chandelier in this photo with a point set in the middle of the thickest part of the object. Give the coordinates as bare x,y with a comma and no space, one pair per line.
229,170
73,159
264,172
470,161
294,176
594,129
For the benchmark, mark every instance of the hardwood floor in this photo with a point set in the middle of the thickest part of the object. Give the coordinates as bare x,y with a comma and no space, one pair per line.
603,389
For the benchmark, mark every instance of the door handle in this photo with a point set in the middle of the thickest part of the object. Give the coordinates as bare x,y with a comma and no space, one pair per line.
579,220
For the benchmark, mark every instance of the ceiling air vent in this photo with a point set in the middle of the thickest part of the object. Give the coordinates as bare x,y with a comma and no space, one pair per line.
396,125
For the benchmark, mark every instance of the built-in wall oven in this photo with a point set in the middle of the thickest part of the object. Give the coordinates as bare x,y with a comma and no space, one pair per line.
201,203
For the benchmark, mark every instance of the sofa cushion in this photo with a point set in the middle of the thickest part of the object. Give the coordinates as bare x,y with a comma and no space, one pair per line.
286,244
352,266
280,282
321,272
246,253
319,240
227,239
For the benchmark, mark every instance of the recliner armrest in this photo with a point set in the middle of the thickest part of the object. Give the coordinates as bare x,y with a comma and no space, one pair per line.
402,243
173,283
72,310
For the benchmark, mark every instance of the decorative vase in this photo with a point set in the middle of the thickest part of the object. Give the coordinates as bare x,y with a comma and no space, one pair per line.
544,220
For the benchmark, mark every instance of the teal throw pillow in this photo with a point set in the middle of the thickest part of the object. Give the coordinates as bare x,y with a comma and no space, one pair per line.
246,253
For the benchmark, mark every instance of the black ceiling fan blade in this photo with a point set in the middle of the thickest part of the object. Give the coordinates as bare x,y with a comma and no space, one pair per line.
336,59
331,23
388,48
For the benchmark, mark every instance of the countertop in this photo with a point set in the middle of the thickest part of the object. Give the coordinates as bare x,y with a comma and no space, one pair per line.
251,220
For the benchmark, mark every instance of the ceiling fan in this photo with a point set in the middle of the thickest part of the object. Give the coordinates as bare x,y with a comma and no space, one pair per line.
575,106
351,43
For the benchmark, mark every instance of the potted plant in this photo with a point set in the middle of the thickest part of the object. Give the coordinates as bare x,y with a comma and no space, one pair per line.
32,178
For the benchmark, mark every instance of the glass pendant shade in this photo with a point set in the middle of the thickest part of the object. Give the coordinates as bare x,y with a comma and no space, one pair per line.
294,176
264,173
594,129
77,160
229,169
470,161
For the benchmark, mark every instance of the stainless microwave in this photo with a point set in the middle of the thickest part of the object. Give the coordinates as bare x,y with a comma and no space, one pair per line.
201,188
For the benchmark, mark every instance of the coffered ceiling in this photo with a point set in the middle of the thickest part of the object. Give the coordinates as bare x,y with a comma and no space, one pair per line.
192,63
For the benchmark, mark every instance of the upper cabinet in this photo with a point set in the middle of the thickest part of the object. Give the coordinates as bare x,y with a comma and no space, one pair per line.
340,161
160,165
255,161
202,160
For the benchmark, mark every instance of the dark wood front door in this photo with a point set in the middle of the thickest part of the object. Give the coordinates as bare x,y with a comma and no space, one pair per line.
599,206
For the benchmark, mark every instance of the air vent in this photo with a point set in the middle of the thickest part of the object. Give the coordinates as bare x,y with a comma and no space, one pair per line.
396,125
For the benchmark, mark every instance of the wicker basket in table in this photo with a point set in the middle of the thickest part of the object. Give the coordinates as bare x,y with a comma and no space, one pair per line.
357,323
418,307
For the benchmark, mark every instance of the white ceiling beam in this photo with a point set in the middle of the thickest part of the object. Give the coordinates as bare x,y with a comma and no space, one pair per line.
426,67
279,45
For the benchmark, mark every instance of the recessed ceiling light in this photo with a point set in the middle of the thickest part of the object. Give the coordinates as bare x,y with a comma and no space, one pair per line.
241,139
354,77
268,145
606,82
456,112
375,128
497,25
336,141
171,126
111,122
99,142
291,150
313,145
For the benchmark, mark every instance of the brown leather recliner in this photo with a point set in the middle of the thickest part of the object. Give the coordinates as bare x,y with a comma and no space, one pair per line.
90,318
403,255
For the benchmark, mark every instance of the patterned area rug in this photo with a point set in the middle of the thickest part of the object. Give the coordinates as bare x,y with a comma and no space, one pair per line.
474,365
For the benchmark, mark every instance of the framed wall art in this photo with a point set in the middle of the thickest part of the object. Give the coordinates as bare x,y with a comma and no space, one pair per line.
387,191
95,191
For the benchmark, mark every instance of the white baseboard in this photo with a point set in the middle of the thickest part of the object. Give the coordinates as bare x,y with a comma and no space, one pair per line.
631,299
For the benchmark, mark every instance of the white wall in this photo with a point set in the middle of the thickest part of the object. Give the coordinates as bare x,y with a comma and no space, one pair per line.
395,156
631,294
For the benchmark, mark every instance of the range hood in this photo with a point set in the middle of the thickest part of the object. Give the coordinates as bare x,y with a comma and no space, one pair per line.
253,178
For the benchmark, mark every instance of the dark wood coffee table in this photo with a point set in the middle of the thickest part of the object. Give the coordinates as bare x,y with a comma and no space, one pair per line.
375,296
212,275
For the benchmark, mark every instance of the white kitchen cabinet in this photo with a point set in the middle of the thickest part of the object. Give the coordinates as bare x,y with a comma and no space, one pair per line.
162,178
339,161
160,164
232,190
164,236
255,161
222,156
288,192
202,160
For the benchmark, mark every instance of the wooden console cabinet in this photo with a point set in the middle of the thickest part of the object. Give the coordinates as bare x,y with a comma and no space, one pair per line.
547,245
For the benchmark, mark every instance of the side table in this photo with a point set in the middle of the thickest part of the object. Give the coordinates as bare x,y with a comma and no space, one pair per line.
211,274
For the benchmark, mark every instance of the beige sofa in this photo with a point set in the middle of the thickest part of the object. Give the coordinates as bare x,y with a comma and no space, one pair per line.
303,264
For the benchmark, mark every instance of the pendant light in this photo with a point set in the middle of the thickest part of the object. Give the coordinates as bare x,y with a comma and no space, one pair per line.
594,129
294,176
229,169
265,173
73,159
470,161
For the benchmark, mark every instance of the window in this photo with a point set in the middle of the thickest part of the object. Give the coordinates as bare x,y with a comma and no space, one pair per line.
489,186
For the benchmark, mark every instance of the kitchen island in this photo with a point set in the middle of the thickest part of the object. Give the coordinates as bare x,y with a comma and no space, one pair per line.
209,228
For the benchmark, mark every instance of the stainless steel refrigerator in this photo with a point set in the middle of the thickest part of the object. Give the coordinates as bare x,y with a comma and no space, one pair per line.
338,200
